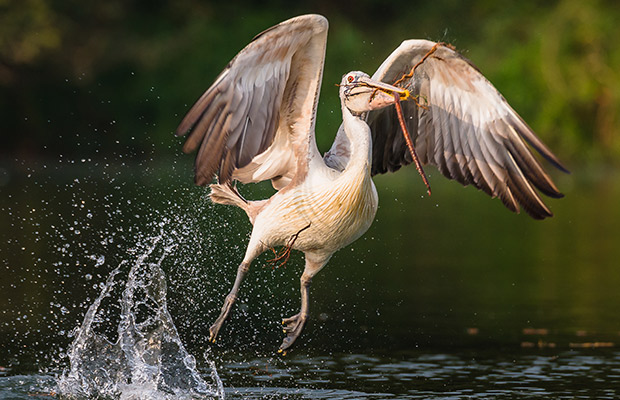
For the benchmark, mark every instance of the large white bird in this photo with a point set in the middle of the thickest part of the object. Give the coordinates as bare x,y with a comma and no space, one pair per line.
257,122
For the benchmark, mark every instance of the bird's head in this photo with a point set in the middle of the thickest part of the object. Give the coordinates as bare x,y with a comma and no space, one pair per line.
360,93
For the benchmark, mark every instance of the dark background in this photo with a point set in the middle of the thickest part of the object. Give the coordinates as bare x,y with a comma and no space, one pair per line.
87,78
91,92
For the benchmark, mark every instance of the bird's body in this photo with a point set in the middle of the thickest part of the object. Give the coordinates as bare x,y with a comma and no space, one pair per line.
332,207
332,213
256,122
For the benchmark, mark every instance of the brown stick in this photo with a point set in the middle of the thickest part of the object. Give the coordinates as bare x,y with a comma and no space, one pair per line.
284,255
412,71
403,126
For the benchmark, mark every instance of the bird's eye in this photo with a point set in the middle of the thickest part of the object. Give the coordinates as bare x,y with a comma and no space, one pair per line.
350,78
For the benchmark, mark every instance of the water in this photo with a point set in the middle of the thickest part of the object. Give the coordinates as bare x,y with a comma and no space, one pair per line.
479,375
148,360
475,375
444,298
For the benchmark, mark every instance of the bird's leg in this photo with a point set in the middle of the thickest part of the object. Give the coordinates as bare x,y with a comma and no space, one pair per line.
293,326
229,301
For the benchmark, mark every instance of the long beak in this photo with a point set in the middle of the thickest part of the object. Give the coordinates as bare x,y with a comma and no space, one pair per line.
387,88
388,93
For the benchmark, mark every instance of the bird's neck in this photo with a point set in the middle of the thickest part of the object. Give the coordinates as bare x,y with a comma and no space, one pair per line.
358,133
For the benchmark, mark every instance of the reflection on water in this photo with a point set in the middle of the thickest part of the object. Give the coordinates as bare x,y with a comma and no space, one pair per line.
480,375
477,375
444,297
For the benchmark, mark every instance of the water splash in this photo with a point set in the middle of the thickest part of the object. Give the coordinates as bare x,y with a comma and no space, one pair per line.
148,359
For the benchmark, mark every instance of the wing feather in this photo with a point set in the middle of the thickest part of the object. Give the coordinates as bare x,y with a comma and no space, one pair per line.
464,127
256,121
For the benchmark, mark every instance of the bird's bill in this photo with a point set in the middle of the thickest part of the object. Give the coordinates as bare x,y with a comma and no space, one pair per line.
384,94
385,87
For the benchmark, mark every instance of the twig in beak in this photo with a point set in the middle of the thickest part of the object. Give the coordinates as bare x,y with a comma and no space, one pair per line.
431,51
403,126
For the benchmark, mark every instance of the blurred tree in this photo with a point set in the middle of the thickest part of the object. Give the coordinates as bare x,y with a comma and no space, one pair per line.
579,62
27,28
115,77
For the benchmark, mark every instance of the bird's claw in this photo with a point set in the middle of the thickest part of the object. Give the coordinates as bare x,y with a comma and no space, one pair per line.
213,331
292,327
217,325
292,323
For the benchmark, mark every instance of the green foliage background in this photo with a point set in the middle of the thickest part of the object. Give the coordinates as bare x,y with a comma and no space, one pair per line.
84,78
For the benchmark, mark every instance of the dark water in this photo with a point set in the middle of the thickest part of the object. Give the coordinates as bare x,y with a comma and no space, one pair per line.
445,297
479,374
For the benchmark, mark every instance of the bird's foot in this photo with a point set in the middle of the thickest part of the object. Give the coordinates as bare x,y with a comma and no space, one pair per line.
213,331
292,327
217,325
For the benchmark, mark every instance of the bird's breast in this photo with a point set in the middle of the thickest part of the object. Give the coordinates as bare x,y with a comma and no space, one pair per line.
332,214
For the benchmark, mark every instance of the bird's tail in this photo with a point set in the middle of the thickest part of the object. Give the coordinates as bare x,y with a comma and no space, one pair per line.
227,194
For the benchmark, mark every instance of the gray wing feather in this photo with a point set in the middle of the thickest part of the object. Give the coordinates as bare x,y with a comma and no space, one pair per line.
238,118
465,128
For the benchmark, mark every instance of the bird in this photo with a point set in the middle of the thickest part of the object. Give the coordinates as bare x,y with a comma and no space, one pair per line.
256,122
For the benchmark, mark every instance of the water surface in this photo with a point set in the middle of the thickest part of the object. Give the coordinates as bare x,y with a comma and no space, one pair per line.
445,297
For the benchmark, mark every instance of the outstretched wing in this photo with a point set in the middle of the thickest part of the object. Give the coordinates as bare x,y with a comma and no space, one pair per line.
462,125
256,122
